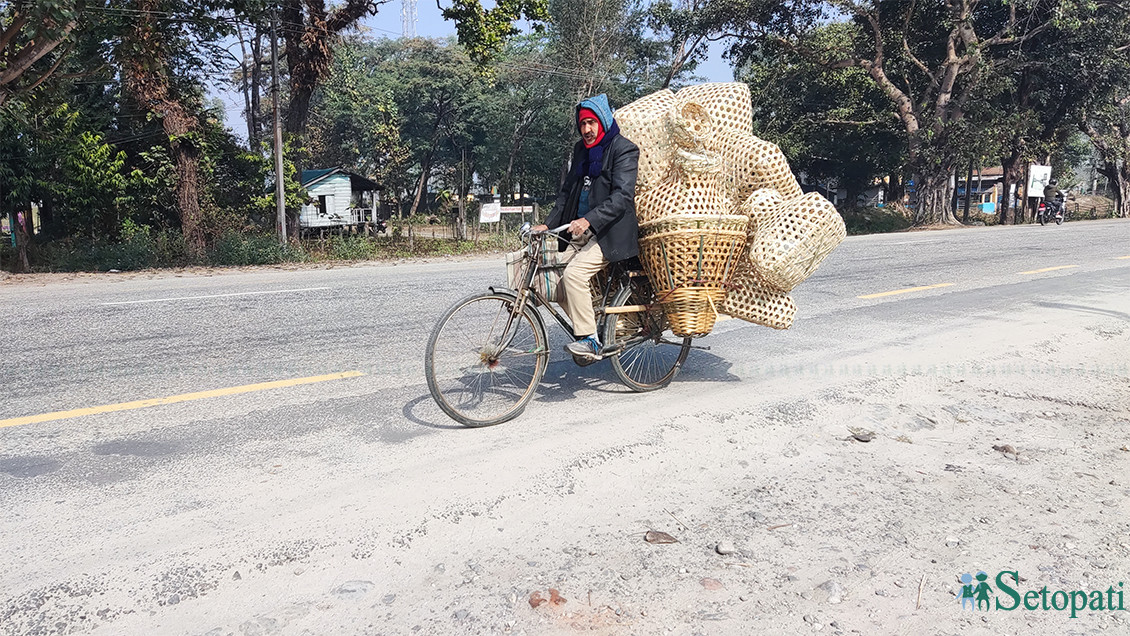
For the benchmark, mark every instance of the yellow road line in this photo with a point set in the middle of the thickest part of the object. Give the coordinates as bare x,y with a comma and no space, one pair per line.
173,399
905,291
1121,258
1049,269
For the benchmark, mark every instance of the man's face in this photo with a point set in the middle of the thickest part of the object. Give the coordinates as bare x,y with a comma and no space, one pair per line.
590,128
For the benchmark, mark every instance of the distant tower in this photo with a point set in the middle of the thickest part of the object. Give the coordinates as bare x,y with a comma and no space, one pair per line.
408,18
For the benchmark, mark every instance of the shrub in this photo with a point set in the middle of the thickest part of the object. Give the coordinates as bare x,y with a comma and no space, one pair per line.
891,218
233,248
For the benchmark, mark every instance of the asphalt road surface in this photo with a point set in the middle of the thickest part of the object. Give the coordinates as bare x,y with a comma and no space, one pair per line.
346,502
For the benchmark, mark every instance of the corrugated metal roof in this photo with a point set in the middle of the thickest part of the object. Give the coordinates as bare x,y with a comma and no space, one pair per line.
356,181
314,175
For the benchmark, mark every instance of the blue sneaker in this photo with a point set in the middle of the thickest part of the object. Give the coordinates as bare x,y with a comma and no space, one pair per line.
587,348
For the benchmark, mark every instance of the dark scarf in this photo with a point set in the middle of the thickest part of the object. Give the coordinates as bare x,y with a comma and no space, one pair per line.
592,161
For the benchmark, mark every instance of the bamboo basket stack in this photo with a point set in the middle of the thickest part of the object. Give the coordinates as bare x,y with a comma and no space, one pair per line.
724,225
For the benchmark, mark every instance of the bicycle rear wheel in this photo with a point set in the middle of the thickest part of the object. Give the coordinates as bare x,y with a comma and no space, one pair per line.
649,355
479,372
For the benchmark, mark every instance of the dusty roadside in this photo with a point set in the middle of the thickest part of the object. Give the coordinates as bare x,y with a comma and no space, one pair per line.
1009,452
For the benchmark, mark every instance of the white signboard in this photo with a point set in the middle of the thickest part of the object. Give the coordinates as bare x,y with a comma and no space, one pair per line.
513,209
490,213
1038,177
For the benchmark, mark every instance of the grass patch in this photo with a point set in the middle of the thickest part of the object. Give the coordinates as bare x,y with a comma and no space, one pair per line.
144,249
891,218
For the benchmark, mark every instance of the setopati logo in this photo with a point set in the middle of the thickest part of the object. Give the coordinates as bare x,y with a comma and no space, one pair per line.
977,594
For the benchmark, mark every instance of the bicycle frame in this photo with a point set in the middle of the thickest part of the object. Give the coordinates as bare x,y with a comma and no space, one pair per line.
526,292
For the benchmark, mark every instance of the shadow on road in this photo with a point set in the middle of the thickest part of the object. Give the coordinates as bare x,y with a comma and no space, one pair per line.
563,380
442,421
1086,310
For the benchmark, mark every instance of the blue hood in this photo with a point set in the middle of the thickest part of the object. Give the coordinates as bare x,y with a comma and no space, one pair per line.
598,105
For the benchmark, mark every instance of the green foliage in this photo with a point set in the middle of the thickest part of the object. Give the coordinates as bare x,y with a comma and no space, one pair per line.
872,220
833,124
251,249
357,117
261,202
140,247
483,32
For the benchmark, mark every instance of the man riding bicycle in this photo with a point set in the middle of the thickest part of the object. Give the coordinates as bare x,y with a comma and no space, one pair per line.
597,200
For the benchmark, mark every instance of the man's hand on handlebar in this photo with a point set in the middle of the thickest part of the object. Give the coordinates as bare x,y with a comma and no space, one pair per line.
539,228
578,227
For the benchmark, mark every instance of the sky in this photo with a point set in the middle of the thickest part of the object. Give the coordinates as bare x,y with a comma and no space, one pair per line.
430,24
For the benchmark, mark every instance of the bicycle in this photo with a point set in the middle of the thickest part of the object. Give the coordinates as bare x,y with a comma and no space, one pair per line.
488,352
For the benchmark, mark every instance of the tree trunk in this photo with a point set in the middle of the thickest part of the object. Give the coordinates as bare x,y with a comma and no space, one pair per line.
1022,197
148,78
298,109
1121,191
245,77
1011,166
422,184
935,198
23,220
256,94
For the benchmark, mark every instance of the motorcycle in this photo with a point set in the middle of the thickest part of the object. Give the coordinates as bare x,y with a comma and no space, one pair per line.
1052,209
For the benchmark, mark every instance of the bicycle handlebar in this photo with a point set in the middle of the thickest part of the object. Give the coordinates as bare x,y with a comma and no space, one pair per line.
555,231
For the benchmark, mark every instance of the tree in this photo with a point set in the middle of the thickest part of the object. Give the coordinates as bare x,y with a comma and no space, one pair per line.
925,55
152,52
355,117
1108,127
311,32
1106,103
833,124
484,32
31,32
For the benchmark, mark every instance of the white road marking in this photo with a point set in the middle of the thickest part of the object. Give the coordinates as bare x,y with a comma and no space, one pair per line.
256,293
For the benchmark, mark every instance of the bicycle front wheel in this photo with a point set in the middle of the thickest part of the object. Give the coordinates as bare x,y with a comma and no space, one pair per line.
647,356
481,371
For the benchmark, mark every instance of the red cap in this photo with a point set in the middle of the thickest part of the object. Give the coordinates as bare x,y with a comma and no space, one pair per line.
585,113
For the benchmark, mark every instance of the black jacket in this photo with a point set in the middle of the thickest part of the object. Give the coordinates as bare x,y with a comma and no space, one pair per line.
612,200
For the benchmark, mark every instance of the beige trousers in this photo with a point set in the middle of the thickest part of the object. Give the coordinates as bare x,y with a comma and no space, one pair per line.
577,301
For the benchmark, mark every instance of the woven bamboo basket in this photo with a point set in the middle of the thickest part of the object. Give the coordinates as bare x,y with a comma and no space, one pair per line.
761,207
646,122
753,164
729,105
790,245
691,259
750,299
697,192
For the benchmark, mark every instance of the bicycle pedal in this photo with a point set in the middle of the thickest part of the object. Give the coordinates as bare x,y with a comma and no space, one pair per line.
584,362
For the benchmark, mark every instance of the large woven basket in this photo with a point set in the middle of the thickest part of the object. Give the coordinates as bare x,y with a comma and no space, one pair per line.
750,299
691,259
753,164
646,122
695,193
787,247
729,105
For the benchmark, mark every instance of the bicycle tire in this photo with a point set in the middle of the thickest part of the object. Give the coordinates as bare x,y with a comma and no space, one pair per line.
651,363
474,384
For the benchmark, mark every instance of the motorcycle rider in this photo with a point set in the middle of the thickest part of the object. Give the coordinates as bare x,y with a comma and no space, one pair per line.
1053,198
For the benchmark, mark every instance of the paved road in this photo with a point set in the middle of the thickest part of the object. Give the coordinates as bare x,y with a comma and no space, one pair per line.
145,506
77,345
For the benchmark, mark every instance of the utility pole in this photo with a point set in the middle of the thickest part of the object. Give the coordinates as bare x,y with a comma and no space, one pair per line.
280,198
461,226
